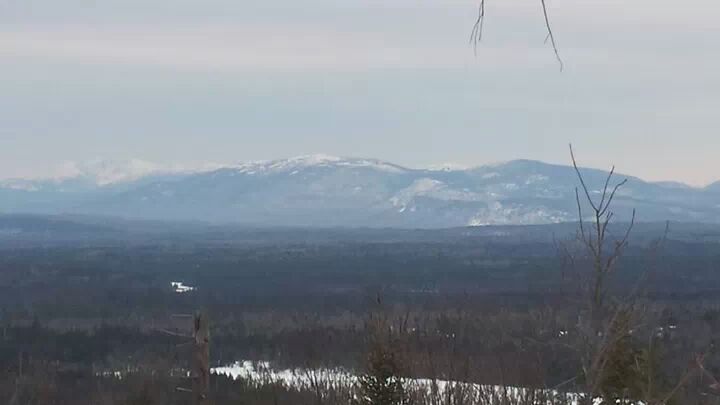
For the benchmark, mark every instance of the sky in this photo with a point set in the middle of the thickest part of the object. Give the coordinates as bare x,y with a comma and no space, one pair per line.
186,82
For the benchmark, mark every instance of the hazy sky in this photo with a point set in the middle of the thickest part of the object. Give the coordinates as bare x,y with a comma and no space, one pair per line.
189,81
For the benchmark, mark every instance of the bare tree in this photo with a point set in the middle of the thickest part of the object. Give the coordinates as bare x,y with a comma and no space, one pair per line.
604,253
606,357
199,341
614,368
201,359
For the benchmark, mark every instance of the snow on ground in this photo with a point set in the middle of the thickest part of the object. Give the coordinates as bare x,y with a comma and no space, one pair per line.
263,373
180,288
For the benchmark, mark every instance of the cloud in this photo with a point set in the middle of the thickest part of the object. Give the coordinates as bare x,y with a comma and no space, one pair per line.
218,49
255,48
355,35
173,79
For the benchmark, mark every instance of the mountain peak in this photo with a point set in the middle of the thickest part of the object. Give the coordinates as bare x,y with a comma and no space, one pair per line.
521,163
448,167
316,160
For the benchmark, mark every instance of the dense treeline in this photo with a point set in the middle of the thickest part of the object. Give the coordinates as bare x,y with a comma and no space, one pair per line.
491,313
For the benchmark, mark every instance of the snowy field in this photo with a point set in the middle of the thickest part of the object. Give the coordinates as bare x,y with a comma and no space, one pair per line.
263,373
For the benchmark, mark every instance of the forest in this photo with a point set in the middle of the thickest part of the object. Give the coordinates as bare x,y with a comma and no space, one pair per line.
103,322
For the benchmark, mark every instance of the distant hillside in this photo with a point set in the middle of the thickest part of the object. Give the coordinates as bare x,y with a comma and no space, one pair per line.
322,191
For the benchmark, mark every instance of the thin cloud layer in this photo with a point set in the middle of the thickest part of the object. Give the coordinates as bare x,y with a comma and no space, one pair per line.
229,80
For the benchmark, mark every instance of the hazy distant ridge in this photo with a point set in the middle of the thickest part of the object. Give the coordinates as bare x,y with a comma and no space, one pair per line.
324,190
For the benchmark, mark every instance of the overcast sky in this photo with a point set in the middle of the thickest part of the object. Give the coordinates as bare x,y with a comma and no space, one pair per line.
191,81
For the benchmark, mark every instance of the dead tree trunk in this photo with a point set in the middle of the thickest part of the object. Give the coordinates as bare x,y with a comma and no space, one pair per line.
201,359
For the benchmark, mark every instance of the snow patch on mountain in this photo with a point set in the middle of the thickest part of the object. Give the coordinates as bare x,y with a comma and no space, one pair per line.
497,213
19,185
104,172
536,178
434,189
294,165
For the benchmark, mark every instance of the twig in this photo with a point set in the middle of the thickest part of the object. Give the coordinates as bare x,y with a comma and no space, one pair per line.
551,35
477,31
171,333
582,180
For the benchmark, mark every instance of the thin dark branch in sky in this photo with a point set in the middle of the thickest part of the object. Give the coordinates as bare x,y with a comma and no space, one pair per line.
477,31
550,35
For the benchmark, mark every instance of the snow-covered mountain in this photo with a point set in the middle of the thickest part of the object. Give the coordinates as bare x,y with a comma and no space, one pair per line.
321,190
104,172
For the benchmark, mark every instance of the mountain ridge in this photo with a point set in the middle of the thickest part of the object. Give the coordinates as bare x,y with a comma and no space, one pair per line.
323,190
112,171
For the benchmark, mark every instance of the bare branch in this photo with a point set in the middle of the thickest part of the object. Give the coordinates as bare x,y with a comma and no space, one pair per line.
171,333
612,196
620,245
629,229
477,31
699,360
582,180
605,188
584,239
551,35
605,224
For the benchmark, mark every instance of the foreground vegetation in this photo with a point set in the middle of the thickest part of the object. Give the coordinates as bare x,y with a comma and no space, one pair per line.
88,324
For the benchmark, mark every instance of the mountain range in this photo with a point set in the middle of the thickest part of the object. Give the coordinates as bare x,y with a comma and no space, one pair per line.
326,191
